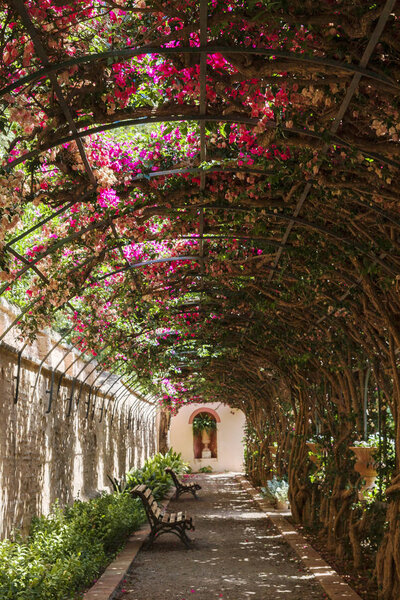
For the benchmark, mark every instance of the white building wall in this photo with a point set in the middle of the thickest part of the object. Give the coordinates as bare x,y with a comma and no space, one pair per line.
230,434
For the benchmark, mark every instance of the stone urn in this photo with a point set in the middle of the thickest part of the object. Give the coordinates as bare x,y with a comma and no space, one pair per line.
315,449
365,465
205,438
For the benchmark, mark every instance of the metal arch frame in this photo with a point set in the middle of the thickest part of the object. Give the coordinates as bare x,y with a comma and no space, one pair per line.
40,224
133,406
143,177
195,170
39,48
104,398
111,372
209,207
198,118
384,16
149,408
216,237
89,374
97,391
108,393
121,410
87,403
113,397
118,395
32,264
76,381
79,357
128,53
53,370
373,206
211,237
140,402
20,8
58,245
360,75
46,355
144,263
152,408
62,375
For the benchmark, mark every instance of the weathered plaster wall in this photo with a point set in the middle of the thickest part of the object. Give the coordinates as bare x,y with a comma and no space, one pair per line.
230,434
48,456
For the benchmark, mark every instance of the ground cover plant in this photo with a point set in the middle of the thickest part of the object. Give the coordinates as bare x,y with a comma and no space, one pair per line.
216,211
68,549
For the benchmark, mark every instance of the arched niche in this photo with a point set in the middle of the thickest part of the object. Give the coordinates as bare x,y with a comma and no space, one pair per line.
199,444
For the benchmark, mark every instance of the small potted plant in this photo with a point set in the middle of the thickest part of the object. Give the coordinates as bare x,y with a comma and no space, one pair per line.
277,490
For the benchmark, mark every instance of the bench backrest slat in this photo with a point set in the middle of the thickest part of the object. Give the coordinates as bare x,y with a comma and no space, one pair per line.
151,507
173,475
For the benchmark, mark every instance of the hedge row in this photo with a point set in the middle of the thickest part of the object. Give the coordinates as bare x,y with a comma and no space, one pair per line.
67,550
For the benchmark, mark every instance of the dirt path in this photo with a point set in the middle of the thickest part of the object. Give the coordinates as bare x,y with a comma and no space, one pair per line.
237,554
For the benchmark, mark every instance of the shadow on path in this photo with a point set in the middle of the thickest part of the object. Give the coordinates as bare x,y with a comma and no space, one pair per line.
237,554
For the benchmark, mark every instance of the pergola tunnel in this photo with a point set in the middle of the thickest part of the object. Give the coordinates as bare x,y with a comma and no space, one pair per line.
199,269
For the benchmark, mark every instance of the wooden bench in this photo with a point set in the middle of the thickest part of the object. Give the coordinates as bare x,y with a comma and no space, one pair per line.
161,521
182,488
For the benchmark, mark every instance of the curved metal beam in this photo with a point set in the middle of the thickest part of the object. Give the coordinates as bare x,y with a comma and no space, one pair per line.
124,54
334,139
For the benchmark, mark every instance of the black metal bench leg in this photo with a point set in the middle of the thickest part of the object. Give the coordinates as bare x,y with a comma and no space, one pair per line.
185,539
150,541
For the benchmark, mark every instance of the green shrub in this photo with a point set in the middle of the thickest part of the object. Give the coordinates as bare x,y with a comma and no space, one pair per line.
206,469
66,550
153,473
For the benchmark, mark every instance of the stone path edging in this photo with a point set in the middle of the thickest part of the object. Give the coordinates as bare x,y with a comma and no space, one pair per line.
327,577
113,576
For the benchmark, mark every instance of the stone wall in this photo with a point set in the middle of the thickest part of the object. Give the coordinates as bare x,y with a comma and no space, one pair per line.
48,455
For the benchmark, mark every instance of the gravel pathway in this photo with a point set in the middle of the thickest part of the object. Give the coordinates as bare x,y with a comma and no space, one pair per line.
237,554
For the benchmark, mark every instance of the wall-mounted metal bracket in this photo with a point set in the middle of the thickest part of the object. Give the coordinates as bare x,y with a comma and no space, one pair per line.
17,377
